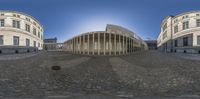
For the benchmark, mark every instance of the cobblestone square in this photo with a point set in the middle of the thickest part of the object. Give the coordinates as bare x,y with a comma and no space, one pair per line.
142,74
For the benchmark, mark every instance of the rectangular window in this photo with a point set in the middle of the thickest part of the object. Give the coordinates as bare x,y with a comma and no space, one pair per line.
34,31
16,24
198,22
2,22
39,34
34,43
165,27
185,25
185,41
176,29
176,43
15,40
1,39
164,35
38,44
27,28
198,40
27,42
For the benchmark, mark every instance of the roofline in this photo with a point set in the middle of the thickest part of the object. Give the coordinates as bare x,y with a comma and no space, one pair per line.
24,14
186,13
165,19
179,15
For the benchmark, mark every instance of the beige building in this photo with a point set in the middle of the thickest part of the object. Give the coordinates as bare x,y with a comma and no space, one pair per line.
180,33
19,31
115,40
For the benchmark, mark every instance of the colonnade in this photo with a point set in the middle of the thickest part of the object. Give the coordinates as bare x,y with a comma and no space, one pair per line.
101,44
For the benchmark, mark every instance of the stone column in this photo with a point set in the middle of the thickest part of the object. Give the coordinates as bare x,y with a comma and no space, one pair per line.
126,45
115,41
98,47
109,43
73,45
93,45
88,44
131,45
104,43
80,41
123,47
76,45
83,44
120,45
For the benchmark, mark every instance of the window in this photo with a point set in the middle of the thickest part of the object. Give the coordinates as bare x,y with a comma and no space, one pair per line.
176,29
34,43
185,25
34,31
165,27
175,20
15,40
1,39
34,23
27,28
176,43
28,19
2,22
18,16
14,15
39,34
27,42
198,40
38,44
16,24
164,35
197,14
198,22
185,41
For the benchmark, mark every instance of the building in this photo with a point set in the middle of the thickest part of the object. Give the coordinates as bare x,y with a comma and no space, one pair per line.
152,44
50,44
180,33
19,33
115,40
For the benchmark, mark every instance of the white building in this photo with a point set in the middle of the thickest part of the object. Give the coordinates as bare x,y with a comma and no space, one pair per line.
180,33
116,40
19,32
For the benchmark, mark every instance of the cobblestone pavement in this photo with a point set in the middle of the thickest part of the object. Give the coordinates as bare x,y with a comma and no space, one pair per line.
143,74
16,56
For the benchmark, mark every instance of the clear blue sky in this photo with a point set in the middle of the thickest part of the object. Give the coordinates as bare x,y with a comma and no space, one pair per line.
66,18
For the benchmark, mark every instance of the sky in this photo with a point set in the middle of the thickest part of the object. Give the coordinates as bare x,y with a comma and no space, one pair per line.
65,19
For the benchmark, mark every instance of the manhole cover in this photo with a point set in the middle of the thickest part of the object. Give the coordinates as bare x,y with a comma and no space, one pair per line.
55,67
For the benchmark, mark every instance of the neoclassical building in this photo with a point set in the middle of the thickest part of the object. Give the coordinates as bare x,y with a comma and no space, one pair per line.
180,33
19,32
115,40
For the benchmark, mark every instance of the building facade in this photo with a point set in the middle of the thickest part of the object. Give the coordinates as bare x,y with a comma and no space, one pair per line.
152,44
180,33
19,32
115,40
51,44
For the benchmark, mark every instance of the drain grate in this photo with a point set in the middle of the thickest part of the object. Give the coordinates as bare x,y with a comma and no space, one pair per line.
56,68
